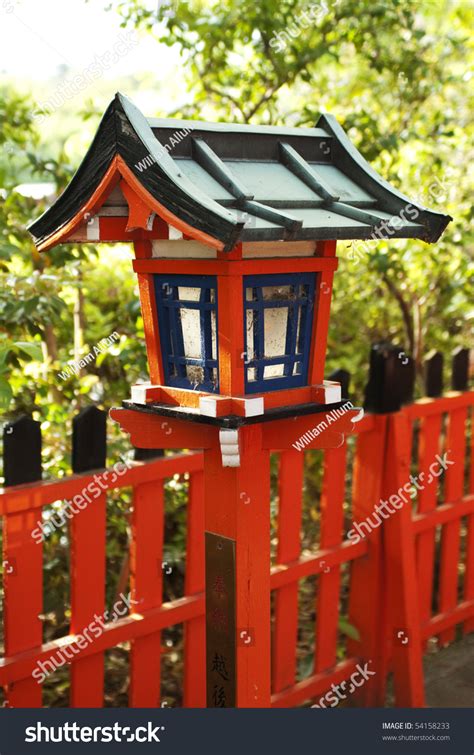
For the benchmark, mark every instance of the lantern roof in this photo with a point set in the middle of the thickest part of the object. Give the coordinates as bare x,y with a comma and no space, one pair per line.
225,183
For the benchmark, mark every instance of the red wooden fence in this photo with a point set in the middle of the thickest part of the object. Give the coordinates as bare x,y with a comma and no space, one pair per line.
20,507
393,619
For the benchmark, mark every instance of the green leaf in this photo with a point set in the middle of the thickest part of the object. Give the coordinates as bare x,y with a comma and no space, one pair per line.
6,393
306,666
33,350
348,629
4,352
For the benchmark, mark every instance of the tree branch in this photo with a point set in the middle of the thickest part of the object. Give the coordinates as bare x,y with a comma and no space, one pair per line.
405,310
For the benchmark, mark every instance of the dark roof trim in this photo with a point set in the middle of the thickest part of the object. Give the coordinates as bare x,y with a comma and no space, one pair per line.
177,124
290,222
300,168
349,160
161,157
125,132
207,158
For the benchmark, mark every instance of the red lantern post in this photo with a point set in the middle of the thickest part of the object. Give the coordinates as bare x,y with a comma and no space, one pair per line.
234,230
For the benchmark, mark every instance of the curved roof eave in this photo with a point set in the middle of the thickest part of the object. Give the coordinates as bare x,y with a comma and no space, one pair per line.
162,158
77,175
347,155
109,143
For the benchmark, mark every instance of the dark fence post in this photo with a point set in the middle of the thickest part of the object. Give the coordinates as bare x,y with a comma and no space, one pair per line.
460,369
391,379
344,378
433,374
146,454
22,451
89,439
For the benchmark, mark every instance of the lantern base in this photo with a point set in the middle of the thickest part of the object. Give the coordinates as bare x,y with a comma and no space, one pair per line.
234,421
165,427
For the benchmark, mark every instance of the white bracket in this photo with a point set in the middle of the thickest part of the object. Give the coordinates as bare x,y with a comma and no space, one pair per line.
229,441
254,406
144,392
93,229
208,406
327,393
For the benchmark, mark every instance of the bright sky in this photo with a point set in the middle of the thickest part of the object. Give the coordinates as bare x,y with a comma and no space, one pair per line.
37,36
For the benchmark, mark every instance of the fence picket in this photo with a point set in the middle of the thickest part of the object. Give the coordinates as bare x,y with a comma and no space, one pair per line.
366,579
460,369
22,559
451,534
89,441
433,374
87,534
401,592
391,379
194,695
146,582
332,519
22,451
469,570
87,599
429,446
291,471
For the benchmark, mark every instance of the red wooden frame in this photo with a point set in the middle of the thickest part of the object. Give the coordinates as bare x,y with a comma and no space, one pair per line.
228,267
117,171
230,319
223,267
230,315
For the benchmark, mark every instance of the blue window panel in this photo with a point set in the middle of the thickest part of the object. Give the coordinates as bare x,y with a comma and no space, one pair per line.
294,293
199,372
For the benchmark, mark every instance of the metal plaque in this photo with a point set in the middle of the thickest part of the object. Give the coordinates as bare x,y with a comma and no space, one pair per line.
220,622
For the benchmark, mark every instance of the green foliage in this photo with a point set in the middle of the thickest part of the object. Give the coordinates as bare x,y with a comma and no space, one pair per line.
13,353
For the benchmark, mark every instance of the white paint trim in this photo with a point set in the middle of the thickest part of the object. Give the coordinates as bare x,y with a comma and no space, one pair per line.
139,392
92,229
279,249
174,234
254,406
179,249
332,391
229,442
208,406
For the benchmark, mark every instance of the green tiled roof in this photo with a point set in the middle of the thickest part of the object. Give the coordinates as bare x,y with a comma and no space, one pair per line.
247,183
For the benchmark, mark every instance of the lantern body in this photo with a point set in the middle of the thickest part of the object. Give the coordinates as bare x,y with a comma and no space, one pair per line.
243,326
234,230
